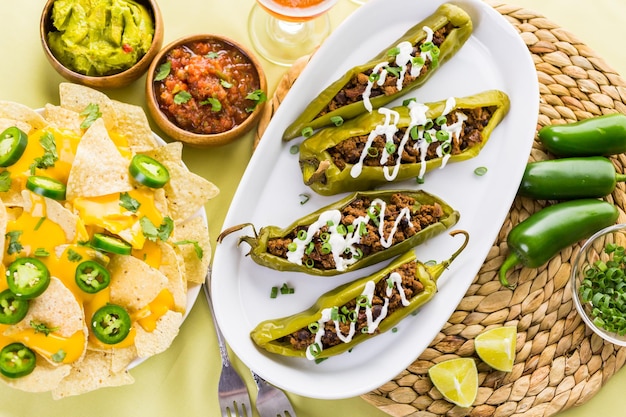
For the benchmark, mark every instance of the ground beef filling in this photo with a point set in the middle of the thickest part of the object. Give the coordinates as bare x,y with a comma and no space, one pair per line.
422,216
353,90
302,338
349,151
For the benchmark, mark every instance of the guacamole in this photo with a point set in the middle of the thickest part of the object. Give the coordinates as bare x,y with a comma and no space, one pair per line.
100,37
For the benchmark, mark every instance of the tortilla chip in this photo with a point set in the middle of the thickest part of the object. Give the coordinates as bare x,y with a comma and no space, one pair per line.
133,124
7,123
193,230
44,377
77,97
63,119
186,192
22,113
56,308
98,168
134,283
172,268
56,213
93,372
170,153
157,341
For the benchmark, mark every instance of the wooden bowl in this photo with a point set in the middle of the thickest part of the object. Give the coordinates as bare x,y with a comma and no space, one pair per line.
118,80
192,136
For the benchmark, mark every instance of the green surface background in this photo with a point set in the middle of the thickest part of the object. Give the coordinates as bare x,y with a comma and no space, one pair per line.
183,380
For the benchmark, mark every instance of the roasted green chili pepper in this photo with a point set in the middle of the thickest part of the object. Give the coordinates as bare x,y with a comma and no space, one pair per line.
364,152
329,242
534,241
597,136
349,305
387,66
569,178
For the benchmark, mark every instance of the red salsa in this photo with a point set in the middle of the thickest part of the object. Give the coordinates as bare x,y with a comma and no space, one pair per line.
207,87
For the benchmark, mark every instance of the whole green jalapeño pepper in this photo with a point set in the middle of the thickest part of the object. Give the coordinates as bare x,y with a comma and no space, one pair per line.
401,143
534,241
458,26
349,305
327,242
597,136
569,178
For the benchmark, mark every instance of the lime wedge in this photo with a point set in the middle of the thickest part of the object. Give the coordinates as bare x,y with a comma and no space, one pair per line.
457,380
496,347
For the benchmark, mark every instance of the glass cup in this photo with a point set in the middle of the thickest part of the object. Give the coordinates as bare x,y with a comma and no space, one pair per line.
284,30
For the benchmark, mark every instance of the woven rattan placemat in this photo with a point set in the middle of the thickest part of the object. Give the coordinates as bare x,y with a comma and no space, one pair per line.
559,362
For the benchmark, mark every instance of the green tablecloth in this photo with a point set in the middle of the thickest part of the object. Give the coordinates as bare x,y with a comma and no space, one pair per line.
183,380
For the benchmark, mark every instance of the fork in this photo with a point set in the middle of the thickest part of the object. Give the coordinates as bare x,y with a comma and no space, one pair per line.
233,394
270,401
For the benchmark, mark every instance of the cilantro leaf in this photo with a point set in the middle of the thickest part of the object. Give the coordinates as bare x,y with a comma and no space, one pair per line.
91,113
196,246
50,155
74,256
258,97
151,232
59,356
41,253
215,104
14,243
182,97
163,71
42,328
5,181
129,203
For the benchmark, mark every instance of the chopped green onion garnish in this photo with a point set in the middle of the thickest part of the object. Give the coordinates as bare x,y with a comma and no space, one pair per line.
302,234
442,135
326,248
292,247
480,171
314,327
307,132
373,152
441,120
395,51
390,147
294,149
309,263
274,292
304,198
337,120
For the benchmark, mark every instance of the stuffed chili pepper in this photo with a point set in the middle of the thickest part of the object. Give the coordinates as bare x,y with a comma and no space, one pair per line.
355,311
360,230
402,67
396,144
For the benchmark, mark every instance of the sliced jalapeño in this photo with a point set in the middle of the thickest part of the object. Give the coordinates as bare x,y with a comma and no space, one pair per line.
12,309
13,142
111,244
148,171
46,186
111,324
16,360
27,278
92,277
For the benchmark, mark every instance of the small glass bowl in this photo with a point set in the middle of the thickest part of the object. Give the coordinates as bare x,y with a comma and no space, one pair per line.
590,252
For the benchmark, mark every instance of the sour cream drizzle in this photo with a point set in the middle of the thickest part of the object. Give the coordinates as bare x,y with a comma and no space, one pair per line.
365,302
418,119
343,242
402,59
